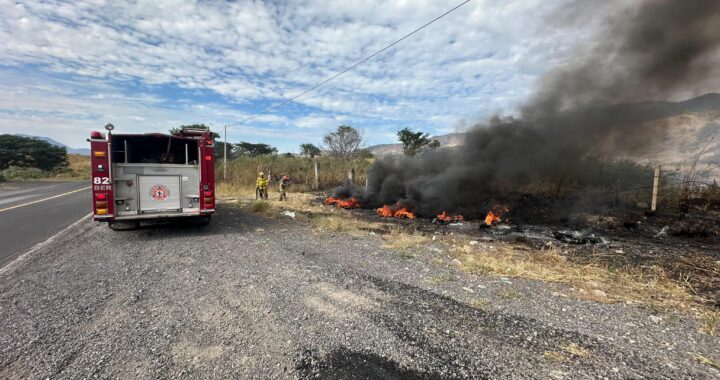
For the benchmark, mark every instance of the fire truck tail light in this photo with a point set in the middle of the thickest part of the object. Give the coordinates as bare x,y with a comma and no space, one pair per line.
100,204
208,193
101,211
209,201
101,196
99,154
208,158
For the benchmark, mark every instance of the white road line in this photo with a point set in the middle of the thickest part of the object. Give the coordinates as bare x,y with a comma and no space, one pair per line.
42,244
43,200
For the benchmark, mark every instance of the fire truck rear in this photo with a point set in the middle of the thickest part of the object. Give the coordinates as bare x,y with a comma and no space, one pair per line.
152,176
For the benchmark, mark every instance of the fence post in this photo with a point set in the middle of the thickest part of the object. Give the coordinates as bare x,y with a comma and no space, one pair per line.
316,185
656,182
351,175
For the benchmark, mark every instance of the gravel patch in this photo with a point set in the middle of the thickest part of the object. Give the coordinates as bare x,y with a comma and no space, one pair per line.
250,296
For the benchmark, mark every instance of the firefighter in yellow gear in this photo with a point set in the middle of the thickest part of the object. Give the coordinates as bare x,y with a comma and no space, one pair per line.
283,187
261,187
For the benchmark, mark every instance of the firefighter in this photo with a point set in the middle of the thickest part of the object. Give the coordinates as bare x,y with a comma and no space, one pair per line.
283,187
261,187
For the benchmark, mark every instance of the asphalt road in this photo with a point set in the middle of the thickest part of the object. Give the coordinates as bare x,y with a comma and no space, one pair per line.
255,297
33,211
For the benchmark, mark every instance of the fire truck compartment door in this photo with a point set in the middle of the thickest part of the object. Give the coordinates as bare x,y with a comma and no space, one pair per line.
159,192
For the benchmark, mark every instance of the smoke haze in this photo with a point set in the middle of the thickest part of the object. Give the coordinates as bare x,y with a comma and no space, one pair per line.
655,49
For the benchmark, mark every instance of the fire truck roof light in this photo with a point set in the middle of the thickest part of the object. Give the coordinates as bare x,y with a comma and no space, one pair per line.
96,135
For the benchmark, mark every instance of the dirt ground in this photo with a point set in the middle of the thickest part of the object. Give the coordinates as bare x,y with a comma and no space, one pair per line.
267,295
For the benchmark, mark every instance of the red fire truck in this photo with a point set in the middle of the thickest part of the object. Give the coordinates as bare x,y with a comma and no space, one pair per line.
152,176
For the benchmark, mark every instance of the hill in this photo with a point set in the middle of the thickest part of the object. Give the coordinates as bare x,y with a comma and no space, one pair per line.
687,127
80,151
449,140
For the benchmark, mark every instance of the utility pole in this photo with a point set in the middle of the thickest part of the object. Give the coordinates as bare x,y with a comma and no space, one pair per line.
316,185
656,183
225,156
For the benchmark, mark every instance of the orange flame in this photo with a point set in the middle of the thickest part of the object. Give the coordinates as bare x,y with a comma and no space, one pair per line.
400,213
404,213
447,217
342,203
493,217
385,211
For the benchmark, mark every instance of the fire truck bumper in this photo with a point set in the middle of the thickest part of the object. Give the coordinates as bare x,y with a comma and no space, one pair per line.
154,215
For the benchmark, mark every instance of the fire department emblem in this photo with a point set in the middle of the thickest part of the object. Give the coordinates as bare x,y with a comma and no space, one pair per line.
159,193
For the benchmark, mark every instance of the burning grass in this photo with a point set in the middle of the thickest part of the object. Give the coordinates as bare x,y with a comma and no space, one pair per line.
343,203
447,218
398,212
592,279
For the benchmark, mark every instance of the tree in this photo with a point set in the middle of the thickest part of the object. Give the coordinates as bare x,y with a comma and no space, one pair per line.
365,154
253,150
309,150
415,142
232,151
344,142
30,152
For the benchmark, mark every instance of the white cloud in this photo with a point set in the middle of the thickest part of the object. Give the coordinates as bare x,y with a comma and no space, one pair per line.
482,58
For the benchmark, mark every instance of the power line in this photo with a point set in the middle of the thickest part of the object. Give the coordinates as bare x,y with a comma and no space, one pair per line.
351,67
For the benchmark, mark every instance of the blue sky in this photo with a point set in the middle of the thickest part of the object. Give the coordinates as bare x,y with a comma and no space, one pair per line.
67,68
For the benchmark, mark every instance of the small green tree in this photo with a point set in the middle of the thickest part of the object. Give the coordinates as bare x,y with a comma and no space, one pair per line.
253,150
309,150
344,142
415,142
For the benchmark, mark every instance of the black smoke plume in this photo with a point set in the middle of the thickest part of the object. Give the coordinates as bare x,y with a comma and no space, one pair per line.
654,49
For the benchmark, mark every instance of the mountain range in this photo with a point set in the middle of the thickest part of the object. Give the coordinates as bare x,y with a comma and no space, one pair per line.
81,151
688,127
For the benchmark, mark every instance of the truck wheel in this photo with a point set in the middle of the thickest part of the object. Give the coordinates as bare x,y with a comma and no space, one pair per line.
123,226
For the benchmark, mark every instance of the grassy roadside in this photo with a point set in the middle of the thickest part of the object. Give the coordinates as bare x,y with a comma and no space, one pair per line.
645,286
78,168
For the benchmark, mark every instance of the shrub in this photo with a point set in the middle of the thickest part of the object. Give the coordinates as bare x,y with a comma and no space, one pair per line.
242,171
260,206
22,173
